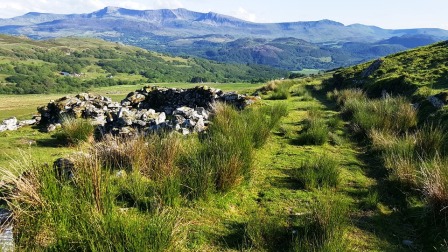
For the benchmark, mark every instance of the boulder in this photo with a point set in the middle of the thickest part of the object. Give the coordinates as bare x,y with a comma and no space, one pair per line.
11,123
64,169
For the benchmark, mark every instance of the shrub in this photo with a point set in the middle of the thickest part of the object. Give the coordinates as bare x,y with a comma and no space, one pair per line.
316,172
75,131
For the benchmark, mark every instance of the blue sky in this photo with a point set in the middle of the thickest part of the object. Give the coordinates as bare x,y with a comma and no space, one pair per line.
383,13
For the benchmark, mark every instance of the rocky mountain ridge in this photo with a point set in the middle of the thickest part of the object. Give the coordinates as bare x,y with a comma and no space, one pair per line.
211,35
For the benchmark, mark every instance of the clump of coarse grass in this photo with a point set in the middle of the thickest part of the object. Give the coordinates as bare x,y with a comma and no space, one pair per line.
395,114
154,156
434,174
265,232
229,147
335,122
281,91
335,139
317,172
280,94
197,174
271,85
341,96
82,213
301,92
275,113
223,156
398,155
323,229
430,140
75,131
315,132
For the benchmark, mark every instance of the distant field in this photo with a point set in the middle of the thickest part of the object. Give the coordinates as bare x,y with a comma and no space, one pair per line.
24,106
308,71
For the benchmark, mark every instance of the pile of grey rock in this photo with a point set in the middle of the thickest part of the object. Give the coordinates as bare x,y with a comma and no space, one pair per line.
14,124
149,109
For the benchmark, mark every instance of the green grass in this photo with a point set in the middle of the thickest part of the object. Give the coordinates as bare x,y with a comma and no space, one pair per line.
317,172
315,132
411,73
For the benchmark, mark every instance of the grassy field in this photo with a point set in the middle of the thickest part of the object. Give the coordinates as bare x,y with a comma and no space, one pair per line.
308,71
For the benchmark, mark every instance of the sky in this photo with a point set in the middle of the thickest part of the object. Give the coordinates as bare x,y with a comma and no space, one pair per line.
391,14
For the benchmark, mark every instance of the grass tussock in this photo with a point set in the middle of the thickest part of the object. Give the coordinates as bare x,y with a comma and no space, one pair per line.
435,184
75,131
431,139
342,96
155,156
301,92
223,157
315,132
318,172
265,232
280,90
84,214
323,229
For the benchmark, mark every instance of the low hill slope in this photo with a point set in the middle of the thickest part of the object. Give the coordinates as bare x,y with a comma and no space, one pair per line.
417,73
73,64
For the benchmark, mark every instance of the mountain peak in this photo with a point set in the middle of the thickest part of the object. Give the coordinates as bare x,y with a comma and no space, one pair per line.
111,9
32,14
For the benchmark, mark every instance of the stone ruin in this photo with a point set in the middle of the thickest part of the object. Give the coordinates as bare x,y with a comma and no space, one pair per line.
149,109
14,124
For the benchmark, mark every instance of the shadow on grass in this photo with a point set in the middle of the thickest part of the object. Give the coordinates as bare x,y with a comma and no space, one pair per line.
235,239
286,182
50,142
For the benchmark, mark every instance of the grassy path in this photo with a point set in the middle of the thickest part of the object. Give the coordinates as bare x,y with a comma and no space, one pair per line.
273,196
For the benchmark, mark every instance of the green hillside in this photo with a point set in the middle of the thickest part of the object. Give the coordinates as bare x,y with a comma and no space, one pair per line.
418,73
74,64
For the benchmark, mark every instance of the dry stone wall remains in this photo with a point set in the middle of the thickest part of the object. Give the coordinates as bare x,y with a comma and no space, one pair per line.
148,109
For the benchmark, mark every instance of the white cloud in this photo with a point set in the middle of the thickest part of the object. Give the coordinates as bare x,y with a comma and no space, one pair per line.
245,15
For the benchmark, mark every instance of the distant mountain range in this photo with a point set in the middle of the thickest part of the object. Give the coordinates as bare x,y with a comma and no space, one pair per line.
321,44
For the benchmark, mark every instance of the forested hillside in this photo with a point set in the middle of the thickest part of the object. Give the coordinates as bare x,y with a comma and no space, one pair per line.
71,64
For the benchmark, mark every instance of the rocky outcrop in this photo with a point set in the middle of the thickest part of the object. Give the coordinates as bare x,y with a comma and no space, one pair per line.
436,102
149,109
372,68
